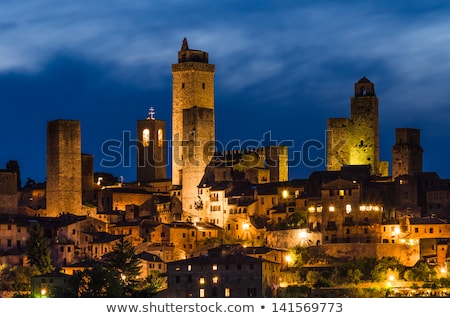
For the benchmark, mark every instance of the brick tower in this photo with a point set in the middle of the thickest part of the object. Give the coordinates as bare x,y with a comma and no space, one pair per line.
64,176
407,153
151,149
193,128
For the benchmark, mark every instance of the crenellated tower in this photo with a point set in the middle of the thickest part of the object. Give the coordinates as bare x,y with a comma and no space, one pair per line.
193,127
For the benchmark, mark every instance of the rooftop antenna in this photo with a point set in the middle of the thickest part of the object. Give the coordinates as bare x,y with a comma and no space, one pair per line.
151,113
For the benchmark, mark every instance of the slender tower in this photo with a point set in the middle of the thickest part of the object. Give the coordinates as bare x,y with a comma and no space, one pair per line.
64,176
151,149
193,128
364,139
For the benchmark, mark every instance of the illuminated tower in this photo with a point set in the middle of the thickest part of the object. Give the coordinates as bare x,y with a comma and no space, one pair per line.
64,176
407,153
355,141
364,143
193,128
151,149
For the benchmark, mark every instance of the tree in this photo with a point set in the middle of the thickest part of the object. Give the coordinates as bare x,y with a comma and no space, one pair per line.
385,267
421,271
37,248
13,166
98,281
124,261
107,178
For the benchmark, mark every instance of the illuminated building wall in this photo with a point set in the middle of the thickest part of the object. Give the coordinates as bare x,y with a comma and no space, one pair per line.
193,127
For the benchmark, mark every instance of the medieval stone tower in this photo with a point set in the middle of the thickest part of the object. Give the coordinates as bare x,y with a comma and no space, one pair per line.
407,153
193,127
64,176
355,140
276,161
151,149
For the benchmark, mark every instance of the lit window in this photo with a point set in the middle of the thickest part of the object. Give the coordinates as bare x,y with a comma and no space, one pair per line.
202,281
331,208
214,267
362,207
189,267
160,137
285,194
146,137
177,268
202,293
227,292
215,280
341,193
348,208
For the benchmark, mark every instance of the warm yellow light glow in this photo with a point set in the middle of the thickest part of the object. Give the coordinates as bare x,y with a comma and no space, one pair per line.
391,278
288,258
189,268
202,293
43,292
443,270
215,280
302,235
160,137
246,226
348,208
214,267
362,207
311,209
227,292
331,208
397,230
146,137
285,194
202,281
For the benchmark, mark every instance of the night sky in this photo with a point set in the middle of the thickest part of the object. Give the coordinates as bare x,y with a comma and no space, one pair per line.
282,67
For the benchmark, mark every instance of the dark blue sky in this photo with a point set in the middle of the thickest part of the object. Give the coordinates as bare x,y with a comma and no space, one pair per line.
281,66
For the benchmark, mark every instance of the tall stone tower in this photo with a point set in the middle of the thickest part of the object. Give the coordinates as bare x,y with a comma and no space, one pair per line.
407,153
364,139
151,149
355,140
193,126
64,176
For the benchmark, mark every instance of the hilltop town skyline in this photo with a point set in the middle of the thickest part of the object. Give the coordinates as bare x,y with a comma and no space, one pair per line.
230,223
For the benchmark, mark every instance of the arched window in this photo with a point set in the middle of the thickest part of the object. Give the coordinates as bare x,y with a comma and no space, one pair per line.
146,137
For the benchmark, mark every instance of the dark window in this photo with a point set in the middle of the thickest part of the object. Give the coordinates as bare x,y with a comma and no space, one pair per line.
251,292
